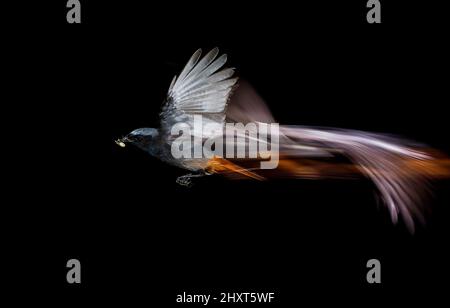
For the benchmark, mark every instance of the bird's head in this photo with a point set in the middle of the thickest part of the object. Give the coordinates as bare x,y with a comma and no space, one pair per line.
141,137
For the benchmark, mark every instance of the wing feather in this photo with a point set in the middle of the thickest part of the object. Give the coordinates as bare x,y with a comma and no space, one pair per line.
189,65
202,87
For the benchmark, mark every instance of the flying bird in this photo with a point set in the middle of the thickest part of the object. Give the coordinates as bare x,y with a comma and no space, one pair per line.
401,170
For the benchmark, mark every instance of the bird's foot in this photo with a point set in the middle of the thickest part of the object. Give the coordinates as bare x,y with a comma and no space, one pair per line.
186,180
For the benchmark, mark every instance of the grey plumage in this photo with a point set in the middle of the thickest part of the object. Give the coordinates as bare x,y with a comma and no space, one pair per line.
202,87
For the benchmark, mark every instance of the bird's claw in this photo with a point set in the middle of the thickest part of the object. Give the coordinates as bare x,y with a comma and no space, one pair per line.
185,180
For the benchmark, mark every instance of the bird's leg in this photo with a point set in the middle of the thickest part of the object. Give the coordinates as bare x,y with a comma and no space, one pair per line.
186,180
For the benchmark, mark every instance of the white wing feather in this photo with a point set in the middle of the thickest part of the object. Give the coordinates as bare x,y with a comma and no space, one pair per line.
201,86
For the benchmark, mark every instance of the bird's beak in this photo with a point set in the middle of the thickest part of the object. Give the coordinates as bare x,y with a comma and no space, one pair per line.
121,141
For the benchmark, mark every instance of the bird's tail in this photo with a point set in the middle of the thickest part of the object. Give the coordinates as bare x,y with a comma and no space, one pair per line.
401,170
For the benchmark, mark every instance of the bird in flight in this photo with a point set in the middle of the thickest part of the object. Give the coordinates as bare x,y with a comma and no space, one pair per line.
400,170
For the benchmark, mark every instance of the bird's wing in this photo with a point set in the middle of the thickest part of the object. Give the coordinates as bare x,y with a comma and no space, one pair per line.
246,106
202,88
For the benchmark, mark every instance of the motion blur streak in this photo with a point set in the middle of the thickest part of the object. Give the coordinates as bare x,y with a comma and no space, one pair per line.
401,170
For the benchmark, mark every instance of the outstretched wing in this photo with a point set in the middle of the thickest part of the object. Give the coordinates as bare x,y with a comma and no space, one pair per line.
202,88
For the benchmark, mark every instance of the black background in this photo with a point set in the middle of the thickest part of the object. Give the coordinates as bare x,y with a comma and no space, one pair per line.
140,237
